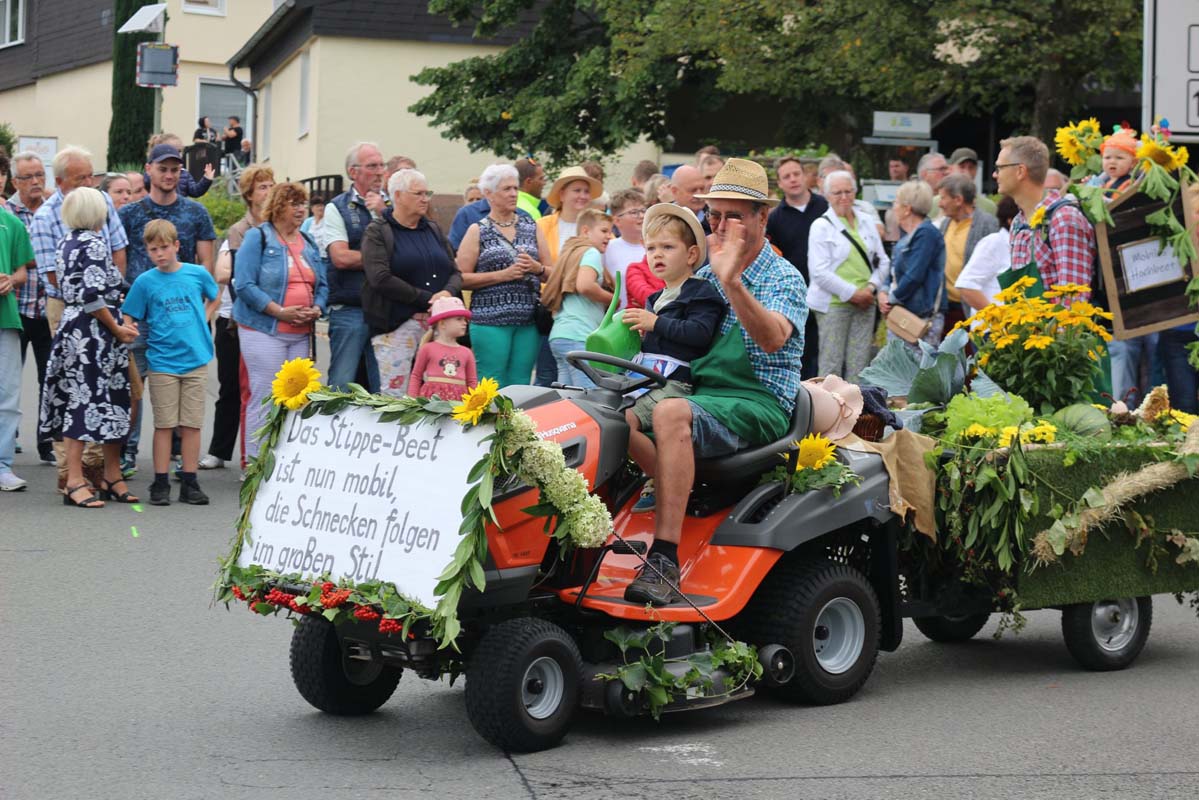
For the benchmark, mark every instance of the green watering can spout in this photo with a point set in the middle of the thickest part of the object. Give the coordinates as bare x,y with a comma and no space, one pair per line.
613,337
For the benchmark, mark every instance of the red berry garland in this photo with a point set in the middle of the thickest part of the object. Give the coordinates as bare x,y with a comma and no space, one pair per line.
390,626
366,614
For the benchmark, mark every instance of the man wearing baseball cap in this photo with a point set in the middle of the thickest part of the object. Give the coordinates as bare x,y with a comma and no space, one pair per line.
964,161
744,388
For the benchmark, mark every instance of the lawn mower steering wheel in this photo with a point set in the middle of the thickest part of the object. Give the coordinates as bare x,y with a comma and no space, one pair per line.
610,380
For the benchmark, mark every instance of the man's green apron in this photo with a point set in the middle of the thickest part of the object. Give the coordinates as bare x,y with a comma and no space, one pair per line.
726,387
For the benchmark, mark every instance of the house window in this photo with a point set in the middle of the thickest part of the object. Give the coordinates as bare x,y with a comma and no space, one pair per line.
215,8
304,70
218,100
12,22
264,144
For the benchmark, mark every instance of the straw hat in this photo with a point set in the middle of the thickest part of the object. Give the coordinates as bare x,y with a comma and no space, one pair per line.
836,406
686,215
570,175
740,179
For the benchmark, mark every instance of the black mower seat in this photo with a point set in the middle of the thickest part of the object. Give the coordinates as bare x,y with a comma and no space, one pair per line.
746,465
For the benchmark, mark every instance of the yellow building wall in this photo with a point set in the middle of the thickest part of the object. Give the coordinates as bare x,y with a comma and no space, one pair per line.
73,106
208,38
345,109
291,152
180,104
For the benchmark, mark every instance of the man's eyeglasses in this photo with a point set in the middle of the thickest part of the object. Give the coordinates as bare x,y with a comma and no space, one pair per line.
427,194
29,177
374,166
1011,164
842,193
632,212
717,217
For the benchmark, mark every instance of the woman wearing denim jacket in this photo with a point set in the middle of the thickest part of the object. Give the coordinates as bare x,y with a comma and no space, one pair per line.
281,292
917,263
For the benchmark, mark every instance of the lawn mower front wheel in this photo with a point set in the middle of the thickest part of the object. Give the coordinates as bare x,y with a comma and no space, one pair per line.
522,685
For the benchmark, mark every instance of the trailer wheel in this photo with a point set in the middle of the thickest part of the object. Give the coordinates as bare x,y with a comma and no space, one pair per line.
827,614
951,629
1109,634
522,685
328,679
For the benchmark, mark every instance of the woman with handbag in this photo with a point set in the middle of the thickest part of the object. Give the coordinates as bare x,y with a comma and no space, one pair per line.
408,264
281,292
847,263
503,259
916,302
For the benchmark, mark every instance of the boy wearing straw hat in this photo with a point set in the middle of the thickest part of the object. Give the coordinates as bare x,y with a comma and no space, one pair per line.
744,388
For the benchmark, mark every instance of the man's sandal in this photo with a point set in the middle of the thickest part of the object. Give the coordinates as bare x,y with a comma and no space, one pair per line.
91,501
107,493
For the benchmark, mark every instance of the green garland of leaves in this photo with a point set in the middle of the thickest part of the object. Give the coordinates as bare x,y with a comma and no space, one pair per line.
646,669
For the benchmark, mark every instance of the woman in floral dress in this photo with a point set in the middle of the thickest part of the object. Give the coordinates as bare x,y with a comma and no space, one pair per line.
86,398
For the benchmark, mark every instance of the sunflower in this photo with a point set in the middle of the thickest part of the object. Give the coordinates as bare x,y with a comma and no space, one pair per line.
1068,147
1088,127
1037,217
815,452
1152,150
476,402
1181,158
294,380
1070,288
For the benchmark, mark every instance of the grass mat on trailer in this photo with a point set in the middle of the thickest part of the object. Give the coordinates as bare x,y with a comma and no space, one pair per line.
1111,565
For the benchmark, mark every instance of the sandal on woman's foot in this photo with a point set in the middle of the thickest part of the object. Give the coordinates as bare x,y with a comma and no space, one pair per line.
91,501
107,492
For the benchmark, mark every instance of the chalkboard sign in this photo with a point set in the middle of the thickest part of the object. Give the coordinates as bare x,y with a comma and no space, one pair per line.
1145,286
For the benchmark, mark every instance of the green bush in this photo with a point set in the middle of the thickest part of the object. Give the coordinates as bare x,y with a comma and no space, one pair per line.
224,210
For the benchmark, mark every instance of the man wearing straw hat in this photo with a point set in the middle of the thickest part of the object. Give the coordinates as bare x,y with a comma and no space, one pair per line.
745,387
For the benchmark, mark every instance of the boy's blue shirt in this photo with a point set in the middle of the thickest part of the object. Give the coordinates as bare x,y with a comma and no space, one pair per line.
171,304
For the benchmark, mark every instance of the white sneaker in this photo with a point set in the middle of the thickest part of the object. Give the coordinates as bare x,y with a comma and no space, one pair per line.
211,462
11,483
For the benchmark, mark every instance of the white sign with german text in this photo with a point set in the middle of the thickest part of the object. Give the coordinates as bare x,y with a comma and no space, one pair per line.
1145,267
364,500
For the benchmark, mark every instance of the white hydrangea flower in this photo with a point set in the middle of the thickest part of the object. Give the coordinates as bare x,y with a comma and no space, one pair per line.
588,523
565,489
522,433
540,461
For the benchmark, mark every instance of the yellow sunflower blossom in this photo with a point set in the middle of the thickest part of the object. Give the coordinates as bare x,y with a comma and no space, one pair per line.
1041,432
476,402
983,359
293,382
1007,435
1037,217
1089,126
1151,150
1068,147
977,431
1037,342
815,452
1070,288
1016,291
1181,158
1179,418
1005,340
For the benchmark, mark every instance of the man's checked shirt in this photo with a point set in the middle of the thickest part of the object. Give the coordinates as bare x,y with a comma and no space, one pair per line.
1067,255
31,297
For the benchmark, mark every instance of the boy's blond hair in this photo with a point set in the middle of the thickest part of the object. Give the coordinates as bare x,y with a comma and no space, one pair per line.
591,217
160,231
670,225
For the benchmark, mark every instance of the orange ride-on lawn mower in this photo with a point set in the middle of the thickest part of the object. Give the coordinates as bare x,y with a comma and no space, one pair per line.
798,577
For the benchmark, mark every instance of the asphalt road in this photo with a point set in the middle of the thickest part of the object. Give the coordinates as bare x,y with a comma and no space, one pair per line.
119,680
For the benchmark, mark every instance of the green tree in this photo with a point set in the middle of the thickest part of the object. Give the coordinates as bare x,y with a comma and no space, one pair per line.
594,75
132,106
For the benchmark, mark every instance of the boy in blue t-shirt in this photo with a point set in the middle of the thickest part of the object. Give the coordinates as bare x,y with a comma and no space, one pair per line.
171,300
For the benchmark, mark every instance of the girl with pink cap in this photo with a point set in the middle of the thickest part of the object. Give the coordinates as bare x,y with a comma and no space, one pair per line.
444,368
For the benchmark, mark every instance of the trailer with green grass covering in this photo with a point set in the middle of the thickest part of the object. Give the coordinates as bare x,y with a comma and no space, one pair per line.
1095,532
